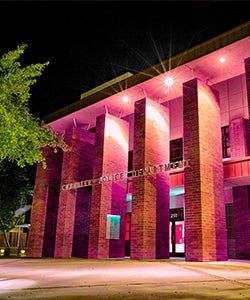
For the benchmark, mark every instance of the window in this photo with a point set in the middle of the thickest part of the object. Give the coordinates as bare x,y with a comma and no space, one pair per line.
225,142
230,221
130,162
176,152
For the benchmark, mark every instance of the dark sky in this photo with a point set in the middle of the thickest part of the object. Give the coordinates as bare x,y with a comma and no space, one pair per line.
90,42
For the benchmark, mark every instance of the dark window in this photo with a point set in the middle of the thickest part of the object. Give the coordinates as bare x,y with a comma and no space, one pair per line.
130,162
225,142
176,150
230,221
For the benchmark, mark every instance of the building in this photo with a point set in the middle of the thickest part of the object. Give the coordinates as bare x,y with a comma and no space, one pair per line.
159,164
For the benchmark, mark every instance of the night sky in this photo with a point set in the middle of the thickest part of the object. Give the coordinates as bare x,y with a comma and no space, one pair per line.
90,42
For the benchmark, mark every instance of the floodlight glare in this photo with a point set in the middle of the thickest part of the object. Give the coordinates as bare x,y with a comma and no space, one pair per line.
222,59
125,99
169,81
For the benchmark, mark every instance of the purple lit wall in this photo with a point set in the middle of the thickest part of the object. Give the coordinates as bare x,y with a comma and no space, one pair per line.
110,158
205,222
84,222
238,138
74,204
41,241
247,69
241,196
150,204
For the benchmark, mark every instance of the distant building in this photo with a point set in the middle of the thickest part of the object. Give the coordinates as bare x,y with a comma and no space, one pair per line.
159,163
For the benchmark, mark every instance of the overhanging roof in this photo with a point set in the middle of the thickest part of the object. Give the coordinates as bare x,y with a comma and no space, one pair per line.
200,61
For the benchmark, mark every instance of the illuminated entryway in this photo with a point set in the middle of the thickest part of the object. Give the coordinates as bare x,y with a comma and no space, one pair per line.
176,233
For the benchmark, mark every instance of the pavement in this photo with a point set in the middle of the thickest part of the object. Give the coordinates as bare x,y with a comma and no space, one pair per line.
75,278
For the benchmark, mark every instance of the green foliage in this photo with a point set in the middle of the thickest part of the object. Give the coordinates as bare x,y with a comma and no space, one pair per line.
21,134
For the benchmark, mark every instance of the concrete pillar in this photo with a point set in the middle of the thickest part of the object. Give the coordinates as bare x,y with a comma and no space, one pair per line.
109,192
205,223
150,201
41,239
241,196
74,204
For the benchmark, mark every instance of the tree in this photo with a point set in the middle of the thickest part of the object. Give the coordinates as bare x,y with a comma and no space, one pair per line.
16,192
22,135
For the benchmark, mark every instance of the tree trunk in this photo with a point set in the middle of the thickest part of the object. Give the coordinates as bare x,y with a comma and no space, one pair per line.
6,239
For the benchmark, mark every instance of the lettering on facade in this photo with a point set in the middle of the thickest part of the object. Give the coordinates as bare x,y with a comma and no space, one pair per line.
131,174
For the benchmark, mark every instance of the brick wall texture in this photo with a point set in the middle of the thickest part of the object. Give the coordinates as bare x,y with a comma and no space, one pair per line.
247,70
110,158
241,196
60,218
150,204
238,138
204,199
73,223
74,205
41,239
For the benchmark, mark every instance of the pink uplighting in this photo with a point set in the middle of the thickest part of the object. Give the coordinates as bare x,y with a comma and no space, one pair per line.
155,115
114,130
158,147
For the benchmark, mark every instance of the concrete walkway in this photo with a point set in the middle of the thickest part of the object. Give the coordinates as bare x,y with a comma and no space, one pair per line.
26,278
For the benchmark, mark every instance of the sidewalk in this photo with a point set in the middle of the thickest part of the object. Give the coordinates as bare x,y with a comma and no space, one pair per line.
48,278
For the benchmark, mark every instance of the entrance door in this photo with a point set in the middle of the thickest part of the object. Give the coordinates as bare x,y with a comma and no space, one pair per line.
176,233
127,234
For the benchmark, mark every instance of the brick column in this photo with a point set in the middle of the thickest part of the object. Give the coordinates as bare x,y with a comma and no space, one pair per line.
74,204
205,222
109,197
238,138
241,197
41,239
150,203
247,69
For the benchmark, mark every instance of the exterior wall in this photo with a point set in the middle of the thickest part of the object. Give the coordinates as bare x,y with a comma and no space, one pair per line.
241,193
205,222
66,223
242,221
150,204
238,138
74,204
41,239
176,118
110,157
233,99
247,68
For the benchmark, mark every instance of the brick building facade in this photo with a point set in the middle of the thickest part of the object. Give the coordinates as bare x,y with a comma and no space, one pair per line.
159,163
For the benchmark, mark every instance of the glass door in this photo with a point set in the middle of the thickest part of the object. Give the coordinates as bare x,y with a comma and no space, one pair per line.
127,234
176,233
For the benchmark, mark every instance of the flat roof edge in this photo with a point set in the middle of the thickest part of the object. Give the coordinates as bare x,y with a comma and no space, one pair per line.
105,85
222,40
